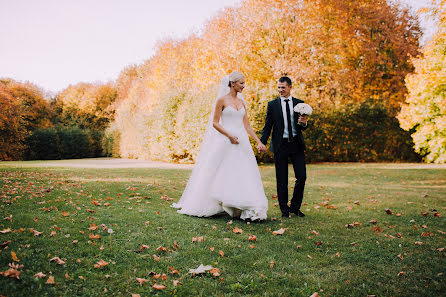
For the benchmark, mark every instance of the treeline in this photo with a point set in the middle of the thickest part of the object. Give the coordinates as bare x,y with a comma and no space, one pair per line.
352,61
69,125
346,58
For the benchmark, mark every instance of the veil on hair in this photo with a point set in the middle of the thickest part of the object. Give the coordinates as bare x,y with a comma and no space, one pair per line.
195,199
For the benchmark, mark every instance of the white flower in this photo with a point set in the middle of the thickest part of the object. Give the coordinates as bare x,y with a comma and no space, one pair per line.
110,230
303,109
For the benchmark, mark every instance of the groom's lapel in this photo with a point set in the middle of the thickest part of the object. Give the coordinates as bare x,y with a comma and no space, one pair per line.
279,111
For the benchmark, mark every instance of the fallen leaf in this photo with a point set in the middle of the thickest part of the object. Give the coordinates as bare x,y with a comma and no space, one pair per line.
388,211
211,248
143,247
271,264
64,213
57,260
164,197
401,273
400,256
94,236
221,253
318,243
176,282
280,231
4,231
338,255
92,227
162,249
158,287
53,233
315,294
36,233
418,243
440,249
40,275
315,232
50,280
156,258
356,202
252,238
372,221
5,243
198,239
236,230
12,273
200,269
136,295
215,272
14,257
173,270
100,264
141,280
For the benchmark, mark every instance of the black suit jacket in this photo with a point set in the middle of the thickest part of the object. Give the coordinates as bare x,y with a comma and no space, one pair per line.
274,121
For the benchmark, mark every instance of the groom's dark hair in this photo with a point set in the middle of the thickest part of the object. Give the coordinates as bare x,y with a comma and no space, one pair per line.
286,79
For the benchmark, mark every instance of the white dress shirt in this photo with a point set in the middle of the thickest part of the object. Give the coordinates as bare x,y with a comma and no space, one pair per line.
290,103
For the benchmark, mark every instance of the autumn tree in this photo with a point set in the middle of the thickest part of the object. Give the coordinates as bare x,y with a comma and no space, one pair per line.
425,108
336,52
86,105
24,109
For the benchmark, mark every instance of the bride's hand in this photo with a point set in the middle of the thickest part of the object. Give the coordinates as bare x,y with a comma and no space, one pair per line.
261,147
233,139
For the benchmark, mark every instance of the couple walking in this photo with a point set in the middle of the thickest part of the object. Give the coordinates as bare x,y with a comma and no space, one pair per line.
225,177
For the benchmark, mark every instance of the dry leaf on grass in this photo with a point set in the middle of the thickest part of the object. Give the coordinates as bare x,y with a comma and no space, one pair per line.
40,275
100,264
252,238
158,287
215,272
237,230
280,231
198,239
200,269
57,260
14,257
50,280
141,280
11,272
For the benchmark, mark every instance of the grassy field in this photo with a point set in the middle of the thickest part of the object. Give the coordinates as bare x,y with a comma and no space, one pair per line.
347,245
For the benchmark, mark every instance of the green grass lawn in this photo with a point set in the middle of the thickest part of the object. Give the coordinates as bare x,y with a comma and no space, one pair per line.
400,255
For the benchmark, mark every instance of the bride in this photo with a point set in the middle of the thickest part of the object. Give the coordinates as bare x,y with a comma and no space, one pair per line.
225,177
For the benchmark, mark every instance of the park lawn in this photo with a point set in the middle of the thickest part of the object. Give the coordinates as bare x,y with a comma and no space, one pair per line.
399,255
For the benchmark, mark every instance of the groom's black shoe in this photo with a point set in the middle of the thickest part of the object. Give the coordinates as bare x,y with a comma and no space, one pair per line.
298,213
285,214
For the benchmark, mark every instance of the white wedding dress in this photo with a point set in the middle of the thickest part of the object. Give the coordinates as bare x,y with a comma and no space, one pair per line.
228,178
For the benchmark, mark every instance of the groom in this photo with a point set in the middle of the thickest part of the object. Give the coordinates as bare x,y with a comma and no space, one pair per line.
287,142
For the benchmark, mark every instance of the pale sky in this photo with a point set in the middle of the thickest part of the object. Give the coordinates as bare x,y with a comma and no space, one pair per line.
55,43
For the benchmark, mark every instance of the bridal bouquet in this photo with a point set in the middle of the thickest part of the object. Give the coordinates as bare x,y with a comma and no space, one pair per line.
303,109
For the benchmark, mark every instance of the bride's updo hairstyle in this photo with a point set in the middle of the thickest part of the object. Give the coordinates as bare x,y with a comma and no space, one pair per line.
235,76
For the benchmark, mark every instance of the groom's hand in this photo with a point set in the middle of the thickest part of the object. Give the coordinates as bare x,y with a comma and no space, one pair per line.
303,119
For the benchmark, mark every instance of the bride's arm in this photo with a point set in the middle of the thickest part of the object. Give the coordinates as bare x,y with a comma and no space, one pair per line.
216,121
250,130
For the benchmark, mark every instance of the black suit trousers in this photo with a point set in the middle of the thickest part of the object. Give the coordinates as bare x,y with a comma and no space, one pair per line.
294,152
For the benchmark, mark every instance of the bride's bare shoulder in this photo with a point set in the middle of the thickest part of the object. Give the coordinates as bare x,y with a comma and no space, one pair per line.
223,99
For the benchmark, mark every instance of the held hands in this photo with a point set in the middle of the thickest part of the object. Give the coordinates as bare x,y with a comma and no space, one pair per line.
302,119
261,147
233,139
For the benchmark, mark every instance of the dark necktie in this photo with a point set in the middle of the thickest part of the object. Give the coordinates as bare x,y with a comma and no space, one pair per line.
288,120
